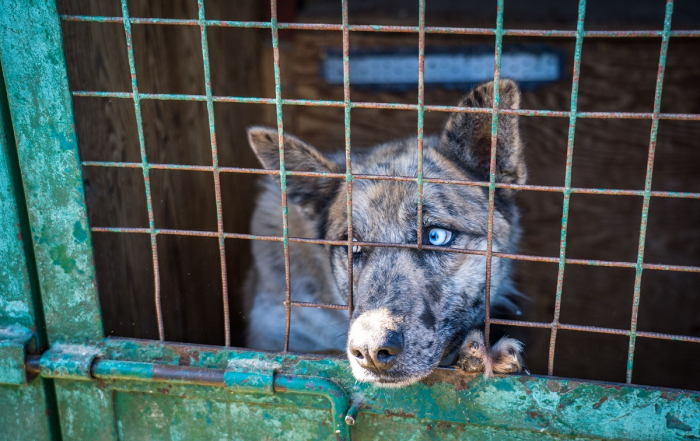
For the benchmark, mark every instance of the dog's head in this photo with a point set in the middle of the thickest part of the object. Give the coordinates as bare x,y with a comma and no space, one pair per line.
413,308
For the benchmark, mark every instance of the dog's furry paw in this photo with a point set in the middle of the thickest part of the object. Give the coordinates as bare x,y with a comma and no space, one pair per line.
506,356
472,354
503,358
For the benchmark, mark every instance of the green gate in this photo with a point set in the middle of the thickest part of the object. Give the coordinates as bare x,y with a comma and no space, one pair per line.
61,378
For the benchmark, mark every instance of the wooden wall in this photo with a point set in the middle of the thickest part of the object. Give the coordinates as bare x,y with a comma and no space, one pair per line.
616,75
168,60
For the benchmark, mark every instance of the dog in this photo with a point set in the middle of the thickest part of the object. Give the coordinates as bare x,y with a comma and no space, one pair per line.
413,309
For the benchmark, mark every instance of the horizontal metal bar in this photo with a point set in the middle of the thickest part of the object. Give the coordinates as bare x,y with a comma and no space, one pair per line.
33,364
544,259
129,370
394,106
318,305
595,329
380,28
525,324
546,188
105,369
660,336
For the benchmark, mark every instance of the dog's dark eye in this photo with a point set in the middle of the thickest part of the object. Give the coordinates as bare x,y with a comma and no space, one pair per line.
439,236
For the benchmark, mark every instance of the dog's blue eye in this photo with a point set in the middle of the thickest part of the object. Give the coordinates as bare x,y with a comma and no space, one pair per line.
355,248
439,236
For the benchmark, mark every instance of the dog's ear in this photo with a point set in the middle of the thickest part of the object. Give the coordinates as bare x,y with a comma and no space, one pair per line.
310,191
467,136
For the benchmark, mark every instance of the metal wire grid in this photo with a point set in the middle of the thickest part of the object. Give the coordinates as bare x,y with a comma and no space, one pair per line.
579,34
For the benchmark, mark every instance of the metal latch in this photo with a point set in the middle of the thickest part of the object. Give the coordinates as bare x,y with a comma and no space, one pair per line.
261,376
68,361
251,375
81,362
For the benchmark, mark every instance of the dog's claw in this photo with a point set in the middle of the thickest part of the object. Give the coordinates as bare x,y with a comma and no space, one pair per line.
503,358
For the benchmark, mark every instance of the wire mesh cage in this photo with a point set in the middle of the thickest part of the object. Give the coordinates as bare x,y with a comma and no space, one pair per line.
419,108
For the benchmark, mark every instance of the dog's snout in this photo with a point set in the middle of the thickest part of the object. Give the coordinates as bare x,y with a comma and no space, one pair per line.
377,355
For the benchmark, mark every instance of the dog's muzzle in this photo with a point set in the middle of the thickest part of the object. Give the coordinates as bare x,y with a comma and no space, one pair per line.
377,351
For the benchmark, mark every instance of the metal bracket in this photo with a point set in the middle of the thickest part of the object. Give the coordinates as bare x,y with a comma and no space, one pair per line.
68,361
250,375
15,342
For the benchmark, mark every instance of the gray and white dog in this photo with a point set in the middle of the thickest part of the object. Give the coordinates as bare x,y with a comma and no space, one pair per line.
413,309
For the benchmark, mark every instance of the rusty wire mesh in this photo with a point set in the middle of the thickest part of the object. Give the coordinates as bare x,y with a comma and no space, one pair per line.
279,102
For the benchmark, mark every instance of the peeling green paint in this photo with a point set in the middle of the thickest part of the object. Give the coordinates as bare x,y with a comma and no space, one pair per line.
143,416
68,361
79,232
14,344
16,306
31,53
59,255
23,412
454,405
86,411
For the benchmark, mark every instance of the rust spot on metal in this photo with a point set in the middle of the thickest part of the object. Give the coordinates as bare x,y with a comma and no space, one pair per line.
537,416
524,381
458,379
566,401
333,392
666,396
553,386
446,425
388,412
600,402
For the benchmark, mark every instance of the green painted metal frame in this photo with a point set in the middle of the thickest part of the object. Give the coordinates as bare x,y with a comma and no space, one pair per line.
47,148
25,410
119,388
32,59
512,407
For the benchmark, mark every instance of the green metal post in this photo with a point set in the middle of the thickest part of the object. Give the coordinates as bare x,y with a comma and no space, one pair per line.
42,116
25,409
31,53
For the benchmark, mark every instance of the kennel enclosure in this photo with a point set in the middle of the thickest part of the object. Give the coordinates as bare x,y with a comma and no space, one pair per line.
62,377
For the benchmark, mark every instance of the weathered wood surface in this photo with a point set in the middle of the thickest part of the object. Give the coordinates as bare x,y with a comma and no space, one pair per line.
168,60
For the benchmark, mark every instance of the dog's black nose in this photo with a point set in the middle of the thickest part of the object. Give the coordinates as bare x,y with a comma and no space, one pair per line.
378,356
